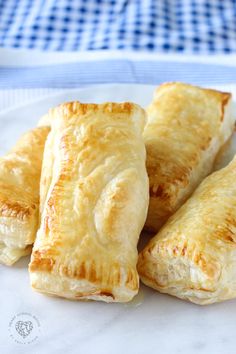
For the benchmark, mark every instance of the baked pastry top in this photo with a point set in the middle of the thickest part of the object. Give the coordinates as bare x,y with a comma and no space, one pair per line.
94,200
20,173
193,256
187,126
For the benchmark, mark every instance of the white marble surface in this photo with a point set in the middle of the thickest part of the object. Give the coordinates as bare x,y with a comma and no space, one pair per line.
152,323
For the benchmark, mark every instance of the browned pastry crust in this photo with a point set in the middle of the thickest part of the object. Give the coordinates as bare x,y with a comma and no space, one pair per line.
20,173
193,256
94,199
186,127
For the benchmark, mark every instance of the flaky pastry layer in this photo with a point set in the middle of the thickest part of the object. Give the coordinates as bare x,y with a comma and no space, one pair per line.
20,172
193,256
186,127
94,199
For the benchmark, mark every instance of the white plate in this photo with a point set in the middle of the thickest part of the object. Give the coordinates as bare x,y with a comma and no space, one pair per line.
152,323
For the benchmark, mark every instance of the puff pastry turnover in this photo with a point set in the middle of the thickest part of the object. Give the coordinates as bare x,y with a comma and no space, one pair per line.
20,173
186,127
94,203
194,255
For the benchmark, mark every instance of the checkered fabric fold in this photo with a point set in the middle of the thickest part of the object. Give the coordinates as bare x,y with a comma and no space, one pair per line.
190,26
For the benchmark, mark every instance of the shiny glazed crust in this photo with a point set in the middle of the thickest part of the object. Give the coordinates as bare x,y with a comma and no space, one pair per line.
20,173
94,200
193,256
186,127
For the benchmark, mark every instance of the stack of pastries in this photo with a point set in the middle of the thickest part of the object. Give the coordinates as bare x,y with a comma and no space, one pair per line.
81,186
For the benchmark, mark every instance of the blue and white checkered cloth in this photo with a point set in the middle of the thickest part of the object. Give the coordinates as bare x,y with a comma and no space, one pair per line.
189,26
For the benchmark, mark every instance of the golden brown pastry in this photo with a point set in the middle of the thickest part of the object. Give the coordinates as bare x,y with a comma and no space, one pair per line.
20,173
186,127
94,203
193,256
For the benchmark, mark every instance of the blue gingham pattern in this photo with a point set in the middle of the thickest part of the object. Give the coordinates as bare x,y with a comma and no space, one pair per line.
190,26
